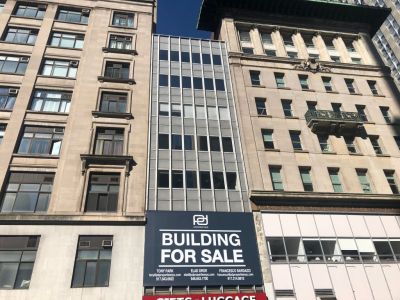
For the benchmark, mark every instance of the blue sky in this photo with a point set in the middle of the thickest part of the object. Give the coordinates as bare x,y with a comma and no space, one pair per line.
179,17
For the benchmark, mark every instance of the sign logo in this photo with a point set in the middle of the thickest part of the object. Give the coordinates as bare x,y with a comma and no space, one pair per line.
200,220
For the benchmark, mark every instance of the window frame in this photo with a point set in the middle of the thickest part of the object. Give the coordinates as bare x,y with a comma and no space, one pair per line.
8,99
65,97
276,183
39,8
270,134
116,143
32,140
20,61
77,37
31,33
127,14
58,64
118,102
100,193
84,14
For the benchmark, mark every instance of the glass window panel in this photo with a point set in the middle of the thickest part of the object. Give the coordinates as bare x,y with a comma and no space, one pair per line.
28,256
25,202
103,273
90,274
10,256
8,202
8,273
366,250
79,274
349,250
331,250
295,250
24,276
88,254
277,249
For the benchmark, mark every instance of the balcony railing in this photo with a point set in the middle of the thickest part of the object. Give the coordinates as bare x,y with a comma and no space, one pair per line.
332,122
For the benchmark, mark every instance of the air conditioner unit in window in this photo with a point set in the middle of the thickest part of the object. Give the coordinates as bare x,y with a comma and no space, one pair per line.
42,6
58,130
85,11
24,59
74,63
13,91
84,244
107,243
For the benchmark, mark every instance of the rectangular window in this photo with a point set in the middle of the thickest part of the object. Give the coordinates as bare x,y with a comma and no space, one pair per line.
2,132
206,58
197,83
383,250
186,82
176,110
72,15
245,41
163,178
109,141
217,60
92,262
60,68
185,57
189,142
335,180
373,87
364,181
163,109
324,143
280,80
175,81
177,179
8,97
335,58
375,144
277,183
361,112
122,42
227,144
67,40
196,58
205,180
350,85
123,19
350,144
296,140
267,138
397,140
163,141
51,101
304,82
327,81
260,105
13,64
305,174
117,70
20,35
219,85
102,195
287,108
113,102
386,114
202,143
27,192
176,142
255,78
163,80
231,180
31,10
41,140
218,178
174,55
392,181
288,39
191,179
214,143
337,107
17,258
311,106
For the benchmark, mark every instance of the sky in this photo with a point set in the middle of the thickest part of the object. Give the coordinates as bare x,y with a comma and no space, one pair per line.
179,17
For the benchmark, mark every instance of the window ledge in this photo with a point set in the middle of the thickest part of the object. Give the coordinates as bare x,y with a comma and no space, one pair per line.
356,154
46,113
102,114
28,155
109,79
272,150
15,43
94,159
308,90
264,116
329,152
125,27
122,51
65,48
5,110
301,151
9,73
379,95
332,92
356,94
23,17
292,117
258,86
383,155
369,122
283,88
75,23
55,77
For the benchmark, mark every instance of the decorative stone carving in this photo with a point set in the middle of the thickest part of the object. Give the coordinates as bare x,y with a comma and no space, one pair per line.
311,65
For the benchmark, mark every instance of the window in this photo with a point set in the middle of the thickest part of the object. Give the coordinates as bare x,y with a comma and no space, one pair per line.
214,143
260,105
267,138
280,80
218,178
185,56
311,106
276,249
217,60
163,80
35,11
73,15
296,140
375,144
386,114
163,54
93,262
206,58
13,64
163,141
17,257
21,35
390,177
335,180
327,81
287,39
176,110
60,68
177,179
203,143
287,108
174,56
117,70
397,140
304,82
275,172
189,142
227,144
291,54
102,192
356,60
27,192
121,42
163,178
41,140
306,179
335,58
313,251
7,98
219,85
205,180
197,83
51,101
269,47
113,102
350,144
361,112
164,109
196,58
209,84
231,180
364,181
324,143
350,46
176,142
373,87
245,41
337,108
175,81
383,250
186,82
109,141
350,85
2,131
67,40
191,179
255,78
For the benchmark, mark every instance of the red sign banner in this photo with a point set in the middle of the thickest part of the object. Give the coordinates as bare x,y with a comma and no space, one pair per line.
258,296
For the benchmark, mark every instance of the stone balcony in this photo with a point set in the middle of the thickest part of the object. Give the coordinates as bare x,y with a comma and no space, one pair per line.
329,122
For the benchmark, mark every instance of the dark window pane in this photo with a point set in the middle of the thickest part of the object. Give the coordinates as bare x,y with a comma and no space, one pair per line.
8,273
217,60
163,179
205,180
163,54
197,83
219,85
163,80
191,179
174,56
209,84
218,178
163,141
214,143
177,179
103,273
24,276
185,56
227,144
90,274
203,145
186,82
231,179
196,58
175,81
206,59
176,142
189,142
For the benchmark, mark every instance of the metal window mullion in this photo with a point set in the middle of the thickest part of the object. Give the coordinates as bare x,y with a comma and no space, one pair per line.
169,125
